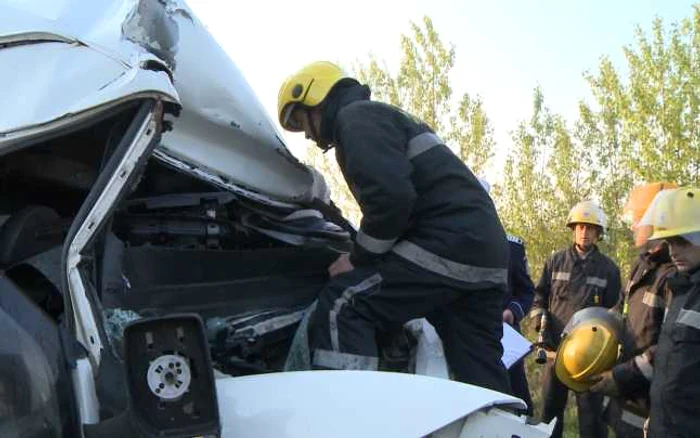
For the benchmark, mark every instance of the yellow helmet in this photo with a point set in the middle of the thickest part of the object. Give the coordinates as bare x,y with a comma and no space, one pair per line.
675,213
587,212
308,87
590,345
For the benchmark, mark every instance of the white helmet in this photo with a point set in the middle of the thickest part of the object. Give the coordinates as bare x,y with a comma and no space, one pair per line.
587,212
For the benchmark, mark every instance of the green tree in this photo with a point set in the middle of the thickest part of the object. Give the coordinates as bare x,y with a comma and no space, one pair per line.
423,78
644,127
662,101
540,183
422,87
471,131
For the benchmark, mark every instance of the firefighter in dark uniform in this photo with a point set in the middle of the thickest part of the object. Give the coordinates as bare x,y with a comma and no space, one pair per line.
675,387
573,279
421,208
642,306
517,304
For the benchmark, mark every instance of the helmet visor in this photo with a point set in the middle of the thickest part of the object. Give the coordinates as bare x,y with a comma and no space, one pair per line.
291,120
612,318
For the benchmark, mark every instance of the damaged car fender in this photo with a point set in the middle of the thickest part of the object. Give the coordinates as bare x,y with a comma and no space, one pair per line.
362,403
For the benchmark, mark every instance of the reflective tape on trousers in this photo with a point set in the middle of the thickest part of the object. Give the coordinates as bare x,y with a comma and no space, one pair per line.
344,361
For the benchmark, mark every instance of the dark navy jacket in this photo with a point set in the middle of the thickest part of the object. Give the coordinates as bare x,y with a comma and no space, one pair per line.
644,304
675,387
521,289
418,199
570,283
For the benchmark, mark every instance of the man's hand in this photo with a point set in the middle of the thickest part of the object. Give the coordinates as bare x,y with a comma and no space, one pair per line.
605,384
536,314
341,265
508,317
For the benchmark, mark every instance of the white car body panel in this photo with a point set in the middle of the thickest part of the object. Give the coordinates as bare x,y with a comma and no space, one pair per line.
70,56
224,129
58,74
346,404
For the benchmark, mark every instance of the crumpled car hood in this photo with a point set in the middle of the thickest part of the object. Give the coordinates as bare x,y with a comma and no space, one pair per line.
72,56
346,404
67,58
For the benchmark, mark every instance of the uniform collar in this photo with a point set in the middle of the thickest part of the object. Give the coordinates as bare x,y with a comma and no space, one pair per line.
694,276
657,254
574,255
682,282
654,256
341,96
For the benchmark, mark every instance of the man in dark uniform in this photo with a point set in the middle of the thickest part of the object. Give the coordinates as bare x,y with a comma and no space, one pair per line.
675,387
516,304
643,306
518,301
421,208
573,279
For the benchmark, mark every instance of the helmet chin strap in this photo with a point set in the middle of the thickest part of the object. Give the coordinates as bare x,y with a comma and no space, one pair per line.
315,134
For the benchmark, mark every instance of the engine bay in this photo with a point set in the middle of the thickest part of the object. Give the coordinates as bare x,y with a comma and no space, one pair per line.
174,245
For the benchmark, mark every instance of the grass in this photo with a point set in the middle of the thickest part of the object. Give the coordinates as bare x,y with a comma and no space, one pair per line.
534,378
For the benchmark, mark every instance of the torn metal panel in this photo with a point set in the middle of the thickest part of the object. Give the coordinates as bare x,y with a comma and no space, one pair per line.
69,58
152,26
223,128
72,56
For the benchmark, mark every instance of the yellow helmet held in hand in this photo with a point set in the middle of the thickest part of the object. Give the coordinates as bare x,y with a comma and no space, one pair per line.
590,345
675,213
587,212
308,87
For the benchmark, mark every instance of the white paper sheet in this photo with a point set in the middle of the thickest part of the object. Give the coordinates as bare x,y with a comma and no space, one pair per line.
515,346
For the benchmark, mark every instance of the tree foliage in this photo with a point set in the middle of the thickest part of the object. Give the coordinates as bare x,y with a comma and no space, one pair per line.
640,127
422,87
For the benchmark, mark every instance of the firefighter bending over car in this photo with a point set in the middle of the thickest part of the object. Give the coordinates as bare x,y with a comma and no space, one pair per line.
430,243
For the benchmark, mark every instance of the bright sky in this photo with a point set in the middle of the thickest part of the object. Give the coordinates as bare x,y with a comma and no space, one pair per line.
503,48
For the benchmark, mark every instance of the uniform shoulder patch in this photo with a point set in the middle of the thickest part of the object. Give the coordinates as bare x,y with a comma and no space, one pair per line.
515,239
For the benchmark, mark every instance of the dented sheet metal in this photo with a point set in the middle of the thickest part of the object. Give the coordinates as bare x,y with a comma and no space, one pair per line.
65,64
73,56
224,130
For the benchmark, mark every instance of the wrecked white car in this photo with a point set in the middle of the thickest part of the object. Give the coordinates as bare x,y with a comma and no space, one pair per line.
160,245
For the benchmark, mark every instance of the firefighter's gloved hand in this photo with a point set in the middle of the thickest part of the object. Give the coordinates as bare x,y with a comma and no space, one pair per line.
341,265
605,384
